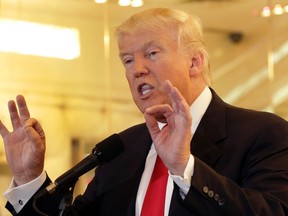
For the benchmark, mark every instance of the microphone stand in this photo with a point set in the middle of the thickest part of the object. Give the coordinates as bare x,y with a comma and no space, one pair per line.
64,185
67,198
66,195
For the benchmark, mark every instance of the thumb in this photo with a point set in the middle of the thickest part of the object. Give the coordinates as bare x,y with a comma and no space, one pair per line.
3,130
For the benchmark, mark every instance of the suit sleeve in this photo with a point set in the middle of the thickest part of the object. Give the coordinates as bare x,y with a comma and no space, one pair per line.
45,204
262,187
49,204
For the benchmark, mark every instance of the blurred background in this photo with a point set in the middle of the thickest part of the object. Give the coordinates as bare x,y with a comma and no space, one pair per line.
61,55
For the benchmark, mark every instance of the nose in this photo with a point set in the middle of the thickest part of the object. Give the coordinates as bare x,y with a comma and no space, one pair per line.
139,67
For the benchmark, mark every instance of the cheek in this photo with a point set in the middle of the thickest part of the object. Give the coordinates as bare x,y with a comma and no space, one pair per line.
129,78
131,84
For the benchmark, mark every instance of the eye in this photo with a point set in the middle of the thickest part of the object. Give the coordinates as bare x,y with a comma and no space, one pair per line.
152,54
127,60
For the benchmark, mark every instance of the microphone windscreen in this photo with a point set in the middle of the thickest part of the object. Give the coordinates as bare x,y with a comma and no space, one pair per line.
109,148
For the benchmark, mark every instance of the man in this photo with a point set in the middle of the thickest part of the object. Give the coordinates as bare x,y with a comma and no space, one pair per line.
236,163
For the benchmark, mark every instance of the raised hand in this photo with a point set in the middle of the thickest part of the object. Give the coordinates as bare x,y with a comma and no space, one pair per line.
172,143
25,145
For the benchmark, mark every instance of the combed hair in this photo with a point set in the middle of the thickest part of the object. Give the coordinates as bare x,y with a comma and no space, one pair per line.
188,30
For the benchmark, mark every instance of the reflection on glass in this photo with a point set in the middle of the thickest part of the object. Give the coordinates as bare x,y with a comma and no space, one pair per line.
37,39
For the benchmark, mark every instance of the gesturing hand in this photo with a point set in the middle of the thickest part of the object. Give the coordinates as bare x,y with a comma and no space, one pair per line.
172,143
25,145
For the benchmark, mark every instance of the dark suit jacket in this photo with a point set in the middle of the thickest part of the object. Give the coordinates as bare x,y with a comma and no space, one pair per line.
241,168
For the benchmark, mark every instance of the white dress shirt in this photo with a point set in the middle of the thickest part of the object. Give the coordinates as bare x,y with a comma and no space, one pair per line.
197,110
19,196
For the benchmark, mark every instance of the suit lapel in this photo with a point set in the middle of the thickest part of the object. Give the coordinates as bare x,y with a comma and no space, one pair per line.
210,131
128,163
128,167
136,163
121,177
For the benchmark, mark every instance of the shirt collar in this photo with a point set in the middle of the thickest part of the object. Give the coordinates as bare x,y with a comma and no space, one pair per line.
199,107
197,110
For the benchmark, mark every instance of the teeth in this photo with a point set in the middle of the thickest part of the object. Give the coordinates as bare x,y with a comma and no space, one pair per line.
145,89
145,92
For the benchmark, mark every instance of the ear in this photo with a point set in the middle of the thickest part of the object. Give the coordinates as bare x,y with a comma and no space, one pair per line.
197,64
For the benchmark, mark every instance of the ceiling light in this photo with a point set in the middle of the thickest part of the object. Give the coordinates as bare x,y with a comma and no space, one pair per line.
266,12
100,1
124,2
278,10
286,8
136,3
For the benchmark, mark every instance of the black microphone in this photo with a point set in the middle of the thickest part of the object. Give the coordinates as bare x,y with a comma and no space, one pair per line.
102,153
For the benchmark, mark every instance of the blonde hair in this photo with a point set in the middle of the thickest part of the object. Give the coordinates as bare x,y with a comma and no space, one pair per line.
188,30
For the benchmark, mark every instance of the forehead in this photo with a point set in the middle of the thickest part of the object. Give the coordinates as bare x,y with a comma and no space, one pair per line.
144,39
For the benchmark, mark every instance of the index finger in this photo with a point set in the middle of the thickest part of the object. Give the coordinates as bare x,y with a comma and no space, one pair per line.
178,102
23,109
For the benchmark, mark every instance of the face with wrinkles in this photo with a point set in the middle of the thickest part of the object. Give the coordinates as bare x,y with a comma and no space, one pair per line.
149,59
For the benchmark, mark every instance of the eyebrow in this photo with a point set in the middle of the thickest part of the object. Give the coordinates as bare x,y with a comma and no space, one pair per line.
144,47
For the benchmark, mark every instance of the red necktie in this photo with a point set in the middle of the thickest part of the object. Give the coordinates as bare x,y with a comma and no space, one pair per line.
154,201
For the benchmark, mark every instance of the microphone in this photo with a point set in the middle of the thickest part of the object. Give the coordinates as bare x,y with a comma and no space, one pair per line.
102,153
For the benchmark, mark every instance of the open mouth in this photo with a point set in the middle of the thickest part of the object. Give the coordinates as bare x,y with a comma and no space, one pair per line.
145,89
